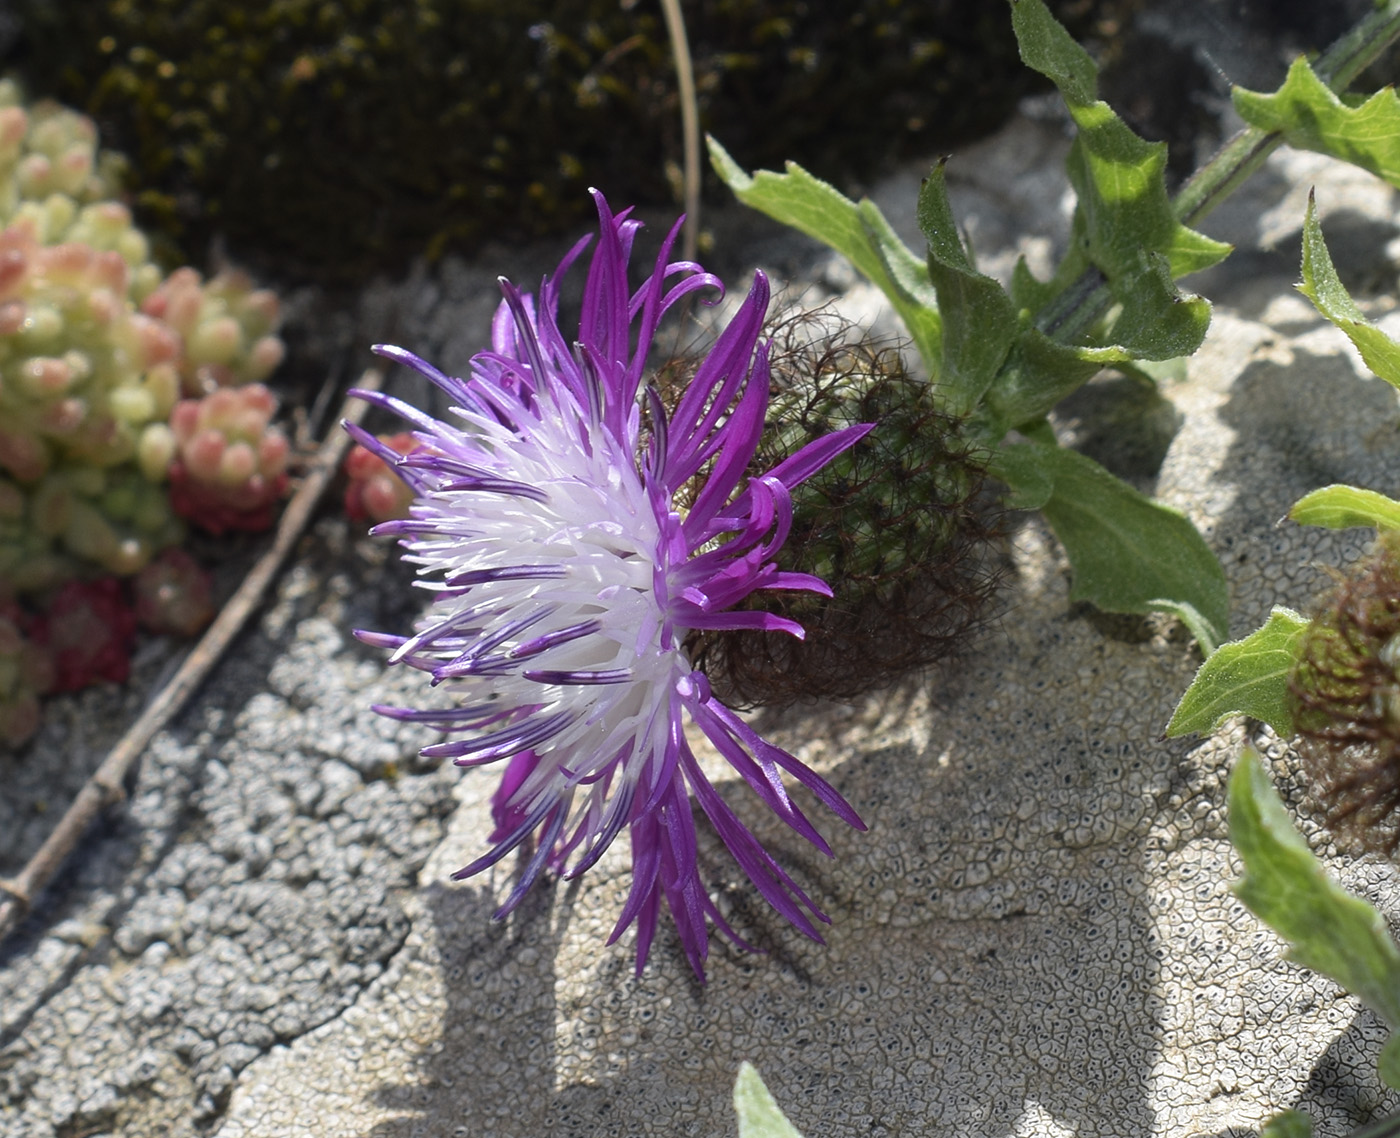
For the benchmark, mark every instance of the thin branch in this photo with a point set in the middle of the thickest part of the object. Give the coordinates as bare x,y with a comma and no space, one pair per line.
690,124
105,786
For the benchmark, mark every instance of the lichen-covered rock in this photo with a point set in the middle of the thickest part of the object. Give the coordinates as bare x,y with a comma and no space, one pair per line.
1035,938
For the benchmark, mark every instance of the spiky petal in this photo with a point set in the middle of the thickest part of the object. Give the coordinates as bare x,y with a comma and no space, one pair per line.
573,532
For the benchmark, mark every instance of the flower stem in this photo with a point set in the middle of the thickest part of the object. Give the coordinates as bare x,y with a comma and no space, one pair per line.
1228,169
1246,152
690,123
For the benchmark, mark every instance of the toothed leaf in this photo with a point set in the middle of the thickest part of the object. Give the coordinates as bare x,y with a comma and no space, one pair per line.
1310,116
859,231
1289,1124
1129,553
979,321
1344,507
759,1116
1286,887
1322,286
1245,677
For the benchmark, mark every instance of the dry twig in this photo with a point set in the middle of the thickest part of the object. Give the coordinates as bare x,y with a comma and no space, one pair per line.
105,786
690,123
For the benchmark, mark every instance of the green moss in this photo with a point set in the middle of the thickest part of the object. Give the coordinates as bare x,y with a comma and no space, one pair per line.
336,136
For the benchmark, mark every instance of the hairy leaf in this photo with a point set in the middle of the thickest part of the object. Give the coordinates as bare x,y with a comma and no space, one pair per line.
1388,1066
1158,321
1286,887
860,232
1117,175
1289,1124
1124,221
1123,197
1311,117
979,321
1344,507
1322,286
1047,47
1245,677
1129,553
1040,372
759,1116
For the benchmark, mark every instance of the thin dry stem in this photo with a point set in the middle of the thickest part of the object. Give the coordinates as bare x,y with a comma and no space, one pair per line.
690,124
105,786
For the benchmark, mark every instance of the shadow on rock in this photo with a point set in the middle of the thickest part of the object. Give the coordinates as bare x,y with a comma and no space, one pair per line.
990,957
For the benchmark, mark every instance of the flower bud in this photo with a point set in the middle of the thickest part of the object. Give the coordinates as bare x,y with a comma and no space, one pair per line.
897,525
1345,693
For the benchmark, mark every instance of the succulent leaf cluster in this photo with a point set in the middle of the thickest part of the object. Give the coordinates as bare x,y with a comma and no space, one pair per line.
26,674
96,349
130,402
373,492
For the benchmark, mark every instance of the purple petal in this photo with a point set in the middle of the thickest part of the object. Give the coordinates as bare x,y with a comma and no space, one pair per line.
797,468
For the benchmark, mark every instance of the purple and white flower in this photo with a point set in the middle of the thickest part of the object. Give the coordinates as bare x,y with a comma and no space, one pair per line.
573,531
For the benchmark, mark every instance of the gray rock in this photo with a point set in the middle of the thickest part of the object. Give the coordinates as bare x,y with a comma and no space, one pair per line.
1036,937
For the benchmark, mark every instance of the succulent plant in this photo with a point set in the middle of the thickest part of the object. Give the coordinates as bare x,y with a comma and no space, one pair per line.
128,398
26,673
88,630
226,328
229,464
97,347
173,595
374,492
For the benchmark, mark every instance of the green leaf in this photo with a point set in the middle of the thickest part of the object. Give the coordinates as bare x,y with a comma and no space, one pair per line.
1245,677
1123,198
1322,286
1117,175
860,232
1158,321
979,321
1157,372
1129,553
1289,1124
1343,507
1311,117
1124,222
1048,48
1040,372
1286,887
1388,1063
913,295
759,1116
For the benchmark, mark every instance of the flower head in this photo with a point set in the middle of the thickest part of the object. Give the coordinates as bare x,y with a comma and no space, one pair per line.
574,532
1345,691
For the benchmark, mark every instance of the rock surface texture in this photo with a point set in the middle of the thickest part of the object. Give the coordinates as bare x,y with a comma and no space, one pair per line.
1036,937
